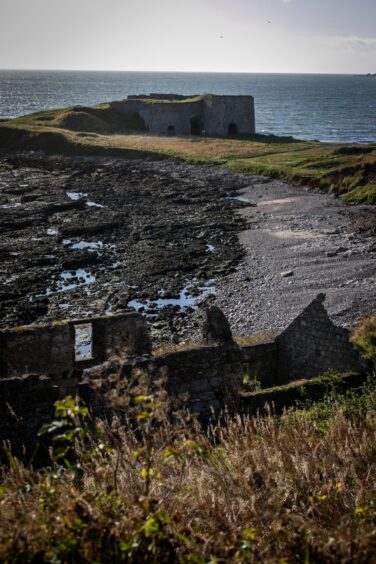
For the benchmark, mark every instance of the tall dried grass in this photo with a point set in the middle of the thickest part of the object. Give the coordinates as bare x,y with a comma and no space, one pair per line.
364,336
297,488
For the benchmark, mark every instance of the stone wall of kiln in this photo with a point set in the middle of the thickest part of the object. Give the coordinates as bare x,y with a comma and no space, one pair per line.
159,117
221,112
216,114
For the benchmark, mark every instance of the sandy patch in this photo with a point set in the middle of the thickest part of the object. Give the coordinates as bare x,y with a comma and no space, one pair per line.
278,202
286,234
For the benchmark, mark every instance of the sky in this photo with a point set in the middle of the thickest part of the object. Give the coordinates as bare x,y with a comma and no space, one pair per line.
296,36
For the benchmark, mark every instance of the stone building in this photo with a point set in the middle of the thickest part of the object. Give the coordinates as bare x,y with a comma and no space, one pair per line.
191,115
41,364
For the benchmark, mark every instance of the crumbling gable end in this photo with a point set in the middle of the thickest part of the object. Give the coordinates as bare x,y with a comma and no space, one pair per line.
311,345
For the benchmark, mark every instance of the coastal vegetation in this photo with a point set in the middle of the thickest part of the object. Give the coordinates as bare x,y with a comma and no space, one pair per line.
348,171
364,337
277,486
290,488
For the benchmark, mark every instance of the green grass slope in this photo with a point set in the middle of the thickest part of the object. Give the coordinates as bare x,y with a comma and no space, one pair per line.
346,170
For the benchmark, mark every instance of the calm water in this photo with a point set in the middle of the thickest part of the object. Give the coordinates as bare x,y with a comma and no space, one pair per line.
324,107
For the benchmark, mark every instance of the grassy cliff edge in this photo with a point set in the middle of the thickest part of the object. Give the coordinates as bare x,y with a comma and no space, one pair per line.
345,169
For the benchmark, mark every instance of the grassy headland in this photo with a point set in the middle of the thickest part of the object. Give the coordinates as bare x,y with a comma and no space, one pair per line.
346,170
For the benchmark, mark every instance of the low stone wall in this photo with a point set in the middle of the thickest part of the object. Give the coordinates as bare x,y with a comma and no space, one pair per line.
125,334
202,380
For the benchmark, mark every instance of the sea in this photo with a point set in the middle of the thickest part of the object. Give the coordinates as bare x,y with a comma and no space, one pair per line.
337,108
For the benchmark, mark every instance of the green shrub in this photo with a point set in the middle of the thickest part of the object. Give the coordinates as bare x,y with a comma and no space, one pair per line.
364,336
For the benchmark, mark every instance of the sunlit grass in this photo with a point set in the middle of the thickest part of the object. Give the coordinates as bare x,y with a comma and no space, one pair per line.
343,169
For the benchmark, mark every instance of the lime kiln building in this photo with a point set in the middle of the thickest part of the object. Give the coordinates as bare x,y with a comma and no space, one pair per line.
191,115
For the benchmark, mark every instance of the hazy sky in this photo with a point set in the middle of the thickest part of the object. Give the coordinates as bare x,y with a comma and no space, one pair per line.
190,35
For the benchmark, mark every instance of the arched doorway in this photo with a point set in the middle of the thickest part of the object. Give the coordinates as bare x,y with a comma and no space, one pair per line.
196,126
232,129
171,129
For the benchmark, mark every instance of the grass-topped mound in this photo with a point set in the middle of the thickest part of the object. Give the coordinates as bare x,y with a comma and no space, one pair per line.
347,170
100,119
79,120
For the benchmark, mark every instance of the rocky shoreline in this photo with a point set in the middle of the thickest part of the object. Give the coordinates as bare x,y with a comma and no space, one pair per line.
94,236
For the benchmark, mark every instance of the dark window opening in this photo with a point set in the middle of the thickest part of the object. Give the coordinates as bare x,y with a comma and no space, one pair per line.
171,129
83,343
232,129
197,126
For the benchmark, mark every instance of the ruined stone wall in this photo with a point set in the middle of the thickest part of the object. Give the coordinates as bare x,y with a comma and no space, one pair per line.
45,350
202,379
38,365
50,350
125,334
26,404
312,345
260,363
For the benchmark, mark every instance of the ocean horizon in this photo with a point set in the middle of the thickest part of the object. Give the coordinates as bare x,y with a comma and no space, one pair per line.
325,107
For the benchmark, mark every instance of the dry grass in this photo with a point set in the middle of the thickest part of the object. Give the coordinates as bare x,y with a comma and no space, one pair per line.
347,170
168,347
298,488
257,339
364,336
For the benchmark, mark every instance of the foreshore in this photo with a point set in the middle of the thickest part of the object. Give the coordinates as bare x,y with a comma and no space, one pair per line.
94,236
